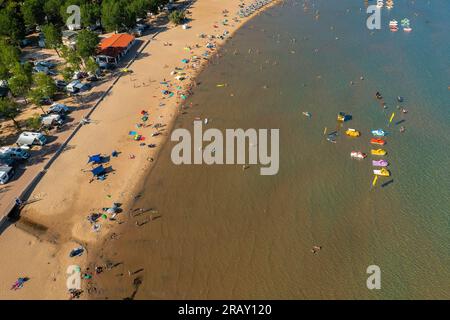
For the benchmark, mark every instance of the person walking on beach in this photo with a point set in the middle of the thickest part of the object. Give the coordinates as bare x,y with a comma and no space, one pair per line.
19,283
18,202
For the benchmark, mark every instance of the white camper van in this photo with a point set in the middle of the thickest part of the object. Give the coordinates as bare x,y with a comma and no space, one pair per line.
13,153
6,173
31,138
52,120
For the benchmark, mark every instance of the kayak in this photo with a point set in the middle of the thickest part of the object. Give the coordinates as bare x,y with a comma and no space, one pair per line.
378,133
332,137
352,133
380,163
378,152
358,155
382,172
76,252
378,141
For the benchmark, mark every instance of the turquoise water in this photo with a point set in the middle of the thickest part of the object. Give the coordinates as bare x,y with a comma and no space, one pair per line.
230,233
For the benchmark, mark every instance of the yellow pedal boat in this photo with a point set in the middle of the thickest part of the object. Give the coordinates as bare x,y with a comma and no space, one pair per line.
382,172
352,132
378,152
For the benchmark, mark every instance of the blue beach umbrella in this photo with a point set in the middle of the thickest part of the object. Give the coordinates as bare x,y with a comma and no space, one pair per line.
96,158
98,171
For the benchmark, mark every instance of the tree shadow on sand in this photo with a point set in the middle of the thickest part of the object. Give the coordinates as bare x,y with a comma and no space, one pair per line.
44,153
137,282
91,97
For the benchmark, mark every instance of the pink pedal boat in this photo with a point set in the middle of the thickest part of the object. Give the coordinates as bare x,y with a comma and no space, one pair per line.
380,163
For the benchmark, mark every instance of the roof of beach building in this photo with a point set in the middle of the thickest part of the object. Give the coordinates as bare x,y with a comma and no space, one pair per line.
115,44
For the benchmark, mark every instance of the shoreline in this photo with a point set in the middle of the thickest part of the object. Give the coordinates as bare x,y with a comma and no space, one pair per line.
63,236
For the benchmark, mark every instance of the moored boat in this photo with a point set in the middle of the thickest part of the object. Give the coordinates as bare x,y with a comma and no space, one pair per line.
341,117
382,172
406,25
380,163
378,133
405,22
378,152
380,142
352,132
358,155
393,23
332,137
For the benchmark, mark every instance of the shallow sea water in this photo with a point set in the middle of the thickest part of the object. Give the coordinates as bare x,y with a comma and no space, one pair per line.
226,232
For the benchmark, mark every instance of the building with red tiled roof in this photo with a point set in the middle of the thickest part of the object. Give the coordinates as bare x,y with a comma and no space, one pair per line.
113,48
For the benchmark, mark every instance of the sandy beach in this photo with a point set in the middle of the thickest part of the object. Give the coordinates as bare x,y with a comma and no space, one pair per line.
38,245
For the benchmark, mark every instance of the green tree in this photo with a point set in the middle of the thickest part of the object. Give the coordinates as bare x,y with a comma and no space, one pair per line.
52,12
37,96
177,17
45,84
9,57
153,5
33,12
21,81
72,58
129,20
87,43
9,110
34,123
53,37
139,8
68,73
11,22
44,87
90,14
91,66
116,15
